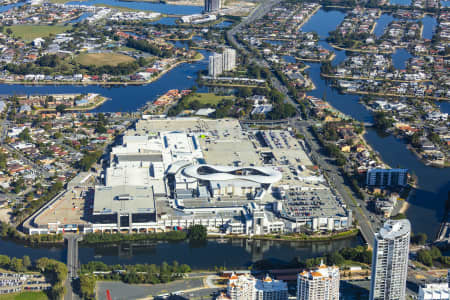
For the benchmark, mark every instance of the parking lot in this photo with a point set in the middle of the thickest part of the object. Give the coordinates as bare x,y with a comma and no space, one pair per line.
16,282
121,291
69,209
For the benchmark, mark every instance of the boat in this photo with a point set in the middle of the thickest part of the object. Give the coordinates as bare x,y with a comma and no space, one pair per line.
189,77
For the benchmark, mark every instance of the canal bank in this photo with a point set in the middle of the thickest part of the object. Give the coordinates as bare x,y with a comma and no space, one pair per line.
123,98
167,9
426,205
227,252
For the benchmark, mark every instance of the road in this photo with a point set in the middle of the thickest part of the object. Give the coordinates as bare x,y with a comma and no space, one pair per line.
336,180
72,265
257,13
335,177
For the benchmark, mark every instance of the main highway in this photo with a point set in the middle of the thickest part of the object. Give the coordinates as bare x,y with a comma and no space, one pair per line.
72,265
331,170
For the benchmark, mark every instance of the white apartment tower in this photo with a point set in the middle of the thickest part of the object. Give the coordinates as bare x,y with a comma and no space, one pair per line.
246,287
319,284
241,287
215,66
269,289
390,261
229,59
211,5
218,63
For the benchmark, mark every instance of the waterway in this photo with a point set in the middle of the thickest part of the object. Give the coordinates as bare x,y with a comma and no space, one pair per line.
400,2
400,57
231,253
382,22
429,26
80,18
150,6
424,213
120,95
426,207
4,8
224,24
165,21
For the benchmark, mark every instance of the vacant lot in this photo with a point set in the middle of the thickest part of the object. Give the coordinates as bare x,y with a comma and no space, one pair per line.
120,290
207,98
30,32
25,296
103,59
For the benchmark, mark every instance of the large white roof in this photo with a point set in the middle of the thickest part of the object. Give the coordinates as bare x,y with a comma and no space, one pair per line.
123,199
262,175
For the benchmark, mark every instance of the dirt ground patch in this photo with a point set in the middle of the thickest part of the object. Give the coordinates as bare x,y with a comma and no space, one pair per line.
5,215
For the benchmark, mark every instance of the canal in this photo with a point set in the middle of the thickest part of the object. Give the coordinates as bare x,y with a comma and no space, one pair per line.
168,9
229,252
426,206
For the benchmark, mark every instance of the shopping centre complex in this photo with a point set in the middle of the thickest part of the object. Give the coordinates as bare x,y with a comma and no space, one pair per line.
175,172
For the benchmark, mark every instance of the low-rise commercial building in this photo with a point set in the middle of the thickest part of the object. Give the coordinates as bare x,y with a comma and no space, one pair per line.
434,291
161,177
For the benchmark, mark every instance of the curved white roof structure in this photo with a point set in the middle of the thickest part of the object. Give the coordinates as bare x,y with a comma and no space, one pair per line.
261,175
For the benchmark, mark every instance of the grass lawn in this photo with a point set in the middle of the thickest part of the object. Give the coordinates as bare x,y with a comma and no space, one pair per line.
207,98
25,296
30,32
102,59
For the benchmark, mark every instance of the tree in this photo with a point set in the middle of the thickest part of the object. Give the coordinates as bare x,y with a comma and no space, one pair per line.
197,233
100,128
42,263
398,216
424,257
25,135
382,121
245,92
29,197
61,108
184,268
164,273
26,261
88,159
4,260
435,253
335,258
2,161
420,238
17,264
86,286
57,135
19,185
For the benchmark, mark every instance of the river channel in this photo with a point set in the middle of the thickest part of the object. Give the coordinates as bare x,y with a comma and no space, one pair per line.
425,211
231,253
426,206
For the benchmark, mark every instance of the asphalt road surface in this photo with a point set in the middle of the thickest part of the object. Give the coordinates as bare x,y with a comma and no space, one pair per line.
332,171
72,265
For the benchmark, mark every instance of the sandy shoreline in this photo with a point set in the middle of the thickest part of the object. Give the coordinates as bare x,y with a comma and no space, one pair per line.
404,207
